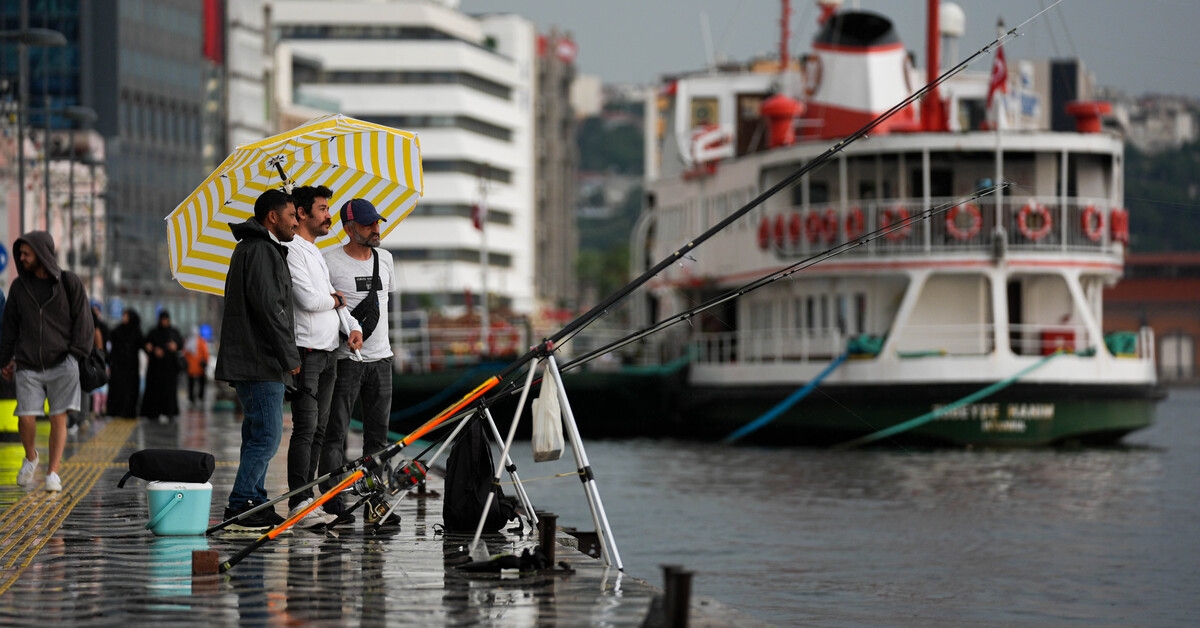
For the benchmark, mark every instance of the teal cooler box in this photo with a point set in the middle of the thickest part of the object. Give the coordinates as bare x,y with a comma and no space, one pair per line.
178,508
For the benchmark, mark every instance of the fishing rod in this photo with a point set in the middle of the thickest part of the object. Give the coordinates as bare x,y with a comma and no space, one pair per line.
546,346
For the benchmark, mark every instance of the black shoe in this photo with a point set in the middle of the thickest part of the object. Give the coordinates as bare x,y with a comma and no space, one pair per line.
254,522
269,514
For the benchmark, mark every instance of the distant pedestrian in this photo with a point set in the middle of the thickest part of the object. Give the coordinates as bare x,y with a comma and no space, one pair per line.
195,352
364,273
257,354
95,401
47,332
163,347
318,323
124,366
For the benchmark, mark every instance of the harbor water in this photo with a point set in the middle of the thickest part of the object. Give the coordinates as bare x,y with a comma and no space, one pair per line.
1087,537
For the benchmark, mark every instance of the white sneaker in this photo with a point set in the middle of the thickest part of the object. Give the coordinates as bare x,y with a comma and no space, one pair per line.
318,517
53,482
25,475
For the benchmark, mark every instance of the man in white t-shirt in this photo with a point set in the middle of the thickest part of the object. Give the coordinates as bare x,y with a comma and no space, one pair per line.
318,335
359,269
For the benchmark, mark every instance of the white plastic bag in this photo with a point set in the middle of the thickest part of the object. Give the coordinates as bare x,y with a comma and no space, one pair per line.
547,422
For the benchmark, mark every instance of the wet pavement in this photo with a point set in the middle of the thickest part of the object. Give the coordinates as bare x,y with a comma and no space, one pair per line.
84,556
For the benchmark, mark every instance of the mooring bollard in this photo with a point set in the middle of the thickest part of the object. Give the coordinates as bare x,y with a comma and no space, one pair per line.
677,595
547,530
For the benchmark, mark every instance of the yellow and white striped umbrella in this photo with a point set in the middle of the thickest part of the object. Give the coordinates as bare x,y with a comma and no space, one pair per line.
353,158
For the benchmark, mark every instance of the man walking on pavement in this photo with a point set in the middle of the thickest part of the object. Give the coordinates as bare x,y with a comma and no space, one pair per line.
365,274
258,348
47,332
317,337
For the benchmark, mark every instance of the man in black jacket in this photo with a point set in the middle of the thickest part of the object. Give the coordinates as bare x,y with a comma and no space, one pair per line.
47,333
258,347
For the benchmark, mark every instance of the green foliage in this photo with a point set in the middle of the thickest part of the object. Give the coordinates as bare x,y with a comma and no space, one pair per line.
604,146
605,271
1162,191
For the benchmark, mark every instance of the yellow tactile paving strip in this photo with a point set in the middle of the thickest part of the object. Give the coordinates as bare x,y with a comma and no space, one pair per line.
27,525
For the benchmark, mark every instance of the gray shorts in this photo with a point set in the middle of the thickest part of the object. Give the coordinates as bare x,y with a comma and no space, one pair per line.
59,384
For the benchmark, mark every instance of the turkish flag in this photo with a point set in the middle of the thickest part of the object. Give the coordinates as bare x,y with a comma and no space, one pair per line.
478,215
999,78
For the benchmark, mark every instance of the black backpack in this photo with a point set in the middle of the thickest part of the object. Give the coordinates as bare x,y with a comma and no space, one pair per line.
468,480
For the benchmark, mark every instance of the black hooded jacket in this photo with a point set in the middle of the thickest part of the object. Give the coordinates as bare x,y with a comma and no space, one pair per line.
258,337
41,335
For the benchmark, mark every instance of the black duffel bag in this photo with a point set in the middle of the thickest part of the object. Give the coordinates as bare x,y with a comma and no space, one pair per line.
170,465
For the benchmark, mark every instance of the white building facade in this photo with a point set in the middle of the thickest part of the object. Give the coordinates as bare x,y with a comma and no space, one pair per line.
466,86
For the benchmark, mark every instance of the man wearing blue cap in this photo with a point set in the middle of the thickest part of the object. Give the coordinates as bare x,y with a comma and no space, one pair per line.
362,272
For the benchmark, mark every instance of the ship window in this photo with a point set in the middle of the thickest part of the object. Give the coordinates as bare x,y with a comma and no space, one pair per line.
818,192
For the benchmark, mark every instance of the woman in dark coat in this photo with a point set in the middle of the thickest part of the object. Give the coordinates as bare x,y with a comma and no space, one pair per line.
125,343
163,346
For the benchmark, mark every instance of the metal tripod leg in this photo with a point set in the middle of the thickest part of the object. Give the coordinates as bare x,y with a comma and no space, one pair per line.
518,487
512,431
608,545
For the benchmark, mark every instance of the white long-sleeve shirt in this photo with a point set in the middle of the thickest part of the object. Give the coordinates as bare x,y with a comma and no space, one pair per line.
317,321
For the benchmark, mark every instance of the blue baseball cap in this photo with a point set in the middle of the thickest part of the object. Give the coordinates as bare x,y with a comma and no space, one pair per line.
360,210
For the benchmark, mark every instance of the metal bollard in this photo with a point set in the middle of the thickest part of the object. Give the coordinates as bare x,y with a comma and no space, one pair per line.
677,595
547,530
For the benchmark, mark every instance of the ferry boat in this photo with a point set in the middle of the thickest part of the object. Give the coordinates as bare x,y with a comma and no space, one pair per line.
981,325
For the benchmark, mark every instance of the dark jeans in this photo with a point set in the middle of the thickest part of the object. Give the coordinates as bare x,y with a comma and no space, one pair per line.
262,430
372,381
310,413
196,388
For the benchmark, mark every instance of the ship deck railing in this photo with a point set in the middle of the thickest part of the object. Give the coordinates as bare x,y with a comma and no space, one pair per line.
1036,224
779,345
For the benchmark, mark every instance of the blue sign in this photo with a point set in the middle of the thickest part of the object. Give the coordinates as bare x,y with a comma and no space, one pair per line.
3,258
206,332
116,307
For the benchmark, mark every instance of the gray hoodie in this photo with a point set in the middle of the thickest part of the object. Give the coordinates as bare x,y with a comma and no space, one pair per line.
41,335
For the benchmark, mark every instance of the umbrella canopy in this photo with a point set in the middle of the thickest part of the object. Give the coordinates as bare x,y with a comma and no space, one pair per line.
355,159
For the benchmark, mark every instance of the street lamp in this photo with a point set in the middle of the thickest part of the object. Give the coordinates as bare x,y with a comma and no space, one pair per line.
25,37
84,117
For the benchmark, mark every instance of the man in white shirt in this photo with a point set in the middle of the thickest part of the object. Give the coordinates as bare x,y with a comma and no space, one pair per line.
364,273
318,328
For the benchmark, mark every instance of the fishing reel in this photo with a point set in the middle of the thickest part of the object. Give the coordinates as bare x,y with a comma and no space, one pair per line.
406,477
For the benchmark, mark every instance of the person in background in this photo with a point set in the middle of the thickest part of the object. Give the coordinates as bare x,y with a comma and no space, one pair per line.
257,354
318,324
47,332
163,345
125,345
195,352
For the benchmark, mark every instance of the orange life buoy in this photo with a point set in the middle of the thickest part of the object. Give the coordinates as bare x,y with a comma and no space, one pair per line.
968,212
830,226
1119,224
1034,221
812,227
795,228
855,223
764,233
892,216
1092,222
